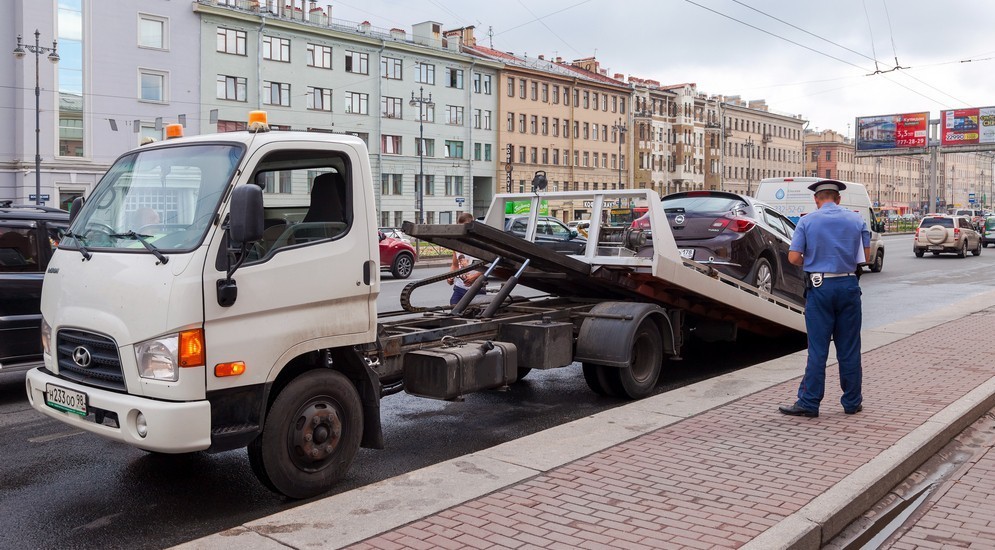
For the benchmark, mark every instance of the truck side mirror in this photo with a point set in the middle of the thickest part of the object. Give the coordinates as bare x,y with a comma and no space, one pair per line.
246,219
74,208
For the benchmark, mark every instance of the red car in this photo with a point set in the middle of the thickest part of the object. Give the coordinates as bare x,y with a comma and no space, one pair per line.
397,256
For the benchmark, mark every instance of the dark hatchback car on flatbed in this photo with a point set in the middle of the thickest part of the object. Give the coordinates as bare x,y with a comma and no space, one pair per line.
28,237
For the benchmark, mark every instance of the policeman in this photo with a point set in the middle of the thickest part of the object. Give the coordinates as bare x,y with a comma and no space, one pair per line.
830,244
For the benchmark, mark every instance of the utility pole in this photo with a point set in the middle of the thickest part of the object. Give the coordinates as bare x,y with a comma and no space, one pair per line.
621,129
877,174
749,165
19,52
421,102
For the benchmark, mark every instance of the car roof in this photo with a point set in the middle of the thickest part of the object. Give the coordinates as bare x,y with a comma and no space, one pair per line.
31,212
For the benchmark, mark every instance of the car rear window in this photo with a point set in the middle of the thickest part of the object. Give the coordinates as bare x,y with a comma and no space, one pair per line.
703,204
942,222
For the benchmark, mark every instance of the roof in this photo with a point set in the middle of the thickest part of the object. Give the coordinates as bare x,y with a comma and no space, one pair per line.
245,137
31,212
543,65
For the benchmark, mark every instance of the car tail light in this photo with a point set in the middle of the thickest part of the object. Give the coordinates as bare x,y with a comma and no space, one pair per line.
956,232
740,225
917,232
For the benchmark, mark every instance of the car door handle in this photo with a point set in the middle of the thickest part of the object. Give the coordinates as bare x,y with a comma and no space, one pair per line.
368,272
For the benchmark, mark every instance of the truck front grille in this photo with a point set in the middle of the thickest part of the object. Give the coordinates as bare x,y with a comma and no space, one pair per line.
90,359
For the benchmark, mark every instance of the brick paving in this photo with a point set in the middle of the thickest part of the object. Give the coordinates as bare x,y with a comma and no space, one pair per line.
963,517
723,477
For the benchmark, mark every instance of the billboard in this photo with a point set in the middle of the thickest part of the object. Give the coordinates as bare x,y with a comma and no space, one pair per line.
904,131
967,126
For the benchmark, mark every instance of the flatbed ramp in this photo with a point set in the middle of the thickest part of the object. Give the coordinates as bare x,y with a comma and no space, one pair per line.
615,269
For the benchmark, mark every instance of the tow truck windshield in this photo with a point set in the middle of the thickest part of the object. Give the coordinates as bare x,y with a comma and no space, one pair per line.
156,200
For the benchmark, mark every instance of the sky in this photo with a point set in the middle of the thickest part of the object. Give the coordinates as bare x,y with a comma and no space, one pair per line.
804,57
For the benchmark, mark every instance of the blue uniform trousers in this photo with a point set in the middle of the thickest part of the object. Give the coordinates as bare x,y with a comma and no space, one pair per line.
832,310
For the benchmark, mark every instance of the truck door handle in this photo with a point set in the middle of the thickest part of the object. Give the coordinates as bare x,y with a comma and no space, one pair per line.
368,272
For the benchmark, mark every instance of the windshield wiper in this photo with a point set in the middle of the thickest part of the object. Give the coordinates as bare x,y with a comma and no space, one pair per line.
148,246
79,240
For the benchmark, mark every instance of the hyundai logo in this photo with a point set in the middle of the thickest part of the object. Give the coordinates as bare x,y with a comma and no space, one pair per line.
81,356
679,219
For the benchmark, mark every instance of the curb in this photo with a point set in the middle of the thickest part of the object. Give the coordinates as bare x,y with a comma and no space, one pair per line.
350,517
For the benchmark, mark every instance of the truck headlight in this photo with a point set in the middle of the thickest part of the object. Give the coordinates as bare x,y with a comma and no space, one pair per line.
161,358
46,337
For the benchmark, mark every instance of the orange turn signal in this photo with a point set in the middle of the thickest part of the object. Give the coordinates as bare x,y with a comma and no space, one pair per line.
174,131
192,353
229,369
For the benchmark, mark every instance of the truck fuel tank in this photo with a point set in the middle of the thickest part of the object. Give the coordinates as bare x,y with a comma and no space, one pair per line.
451,371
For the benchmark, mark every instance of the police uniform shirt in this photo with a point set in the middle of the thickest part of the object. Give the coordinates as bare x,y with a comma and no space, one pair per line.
832,240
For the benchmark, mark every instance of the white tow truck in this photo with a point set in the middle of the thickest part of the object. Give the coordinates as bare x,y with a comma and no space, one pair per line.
188,310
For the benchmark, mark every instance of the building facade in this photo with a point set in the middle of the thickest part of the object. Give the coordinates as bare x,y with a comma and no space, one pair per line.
758,144
124,70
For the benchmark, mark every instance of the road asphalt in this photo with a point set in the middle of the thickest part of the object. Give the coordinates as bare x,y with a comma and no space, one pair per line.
708,465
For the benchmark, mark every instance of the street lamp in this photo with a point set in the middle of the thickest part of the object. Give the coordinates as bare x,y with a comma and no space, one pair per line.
19,52
877,173
621,129
421,102
749,165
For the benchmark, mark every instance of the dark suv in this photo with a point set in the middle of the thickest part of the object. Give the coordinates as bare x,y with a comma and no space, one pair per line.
28,237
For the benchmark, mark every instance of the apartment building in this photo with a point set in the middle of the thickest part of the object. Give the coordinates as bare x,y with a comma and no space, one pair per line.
426,110
653,112
757,143
569,120
123,71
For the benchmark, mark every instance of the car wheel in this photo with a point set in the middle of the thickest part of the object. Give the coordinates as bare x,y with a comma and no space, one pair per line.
977,251
918,252
763,276
878,264
963,250
402,265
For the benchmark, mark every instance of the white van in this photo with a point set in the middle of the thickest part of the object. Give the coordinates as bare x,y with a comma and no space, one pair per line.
792,197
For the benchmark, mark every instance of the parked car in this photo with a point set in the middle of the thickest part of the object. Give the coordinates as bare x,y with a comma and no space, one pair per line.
738,235
29,235
938,233
550,233
988,231
397,256
396,233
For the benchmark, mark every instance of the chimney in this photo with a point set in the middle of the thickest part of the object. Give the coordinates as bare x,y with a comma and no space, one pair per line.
364,27
542,57
620,76
398,34
559,59
427,33
317,16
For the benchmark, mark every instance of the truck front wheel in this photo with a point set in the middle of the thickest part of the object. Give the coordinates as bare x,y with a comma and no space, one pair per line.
311,435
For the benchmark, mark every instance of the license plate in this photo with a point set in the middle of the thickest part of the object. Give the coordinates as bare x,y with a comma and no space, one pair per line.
936,248
65,399
687,253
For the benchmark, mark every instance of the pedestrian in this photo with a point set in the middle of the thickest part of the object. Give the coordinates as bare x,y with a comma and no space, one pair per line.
830,244
462,283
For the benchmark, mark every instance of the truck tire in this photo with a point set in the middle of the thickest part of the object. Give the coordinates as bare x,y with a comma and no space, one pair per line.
603,380
402,266
878,264
639,380
311,435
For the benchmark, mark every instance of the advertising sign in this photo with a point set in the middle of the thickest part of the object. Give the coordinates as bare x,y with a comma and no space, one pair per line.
523,207
904,131
967,126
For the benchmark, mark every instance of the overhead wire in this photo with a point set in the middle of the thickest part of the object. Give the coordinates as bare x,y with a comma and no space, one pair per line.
542,17
548,28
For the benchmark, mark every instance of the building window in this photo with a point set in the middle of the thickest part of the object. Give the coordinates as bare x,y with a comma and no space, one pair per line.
425,73
534,93
556,157
545,155
545,125
390,145
556,127
426,113
534,155
454,115
545,93
587,131
391,68
482,83
487,151
276,49
356,62
231,87
391,184
454,185
319,56
454,149
587,158
357,103
390,107
231,41
521,124
511,87
556,94
319,99
521,88
477,118
152,32
427,147
152,85
829,155
534,124
276,93
521,155
511,122
487,120
477,148
454,78
429,189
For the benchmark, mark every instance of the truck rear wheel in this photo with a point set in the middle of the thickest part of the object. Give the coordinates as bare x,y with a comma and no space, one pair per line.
640,378
602,380
311,435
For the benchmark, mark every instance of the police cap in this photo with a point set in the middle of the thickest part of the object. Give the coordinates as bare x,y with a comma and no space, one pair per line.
824,185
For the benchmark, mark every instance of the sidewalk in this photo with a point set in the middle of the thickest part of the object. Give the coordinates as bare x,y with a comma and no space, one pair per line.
708,465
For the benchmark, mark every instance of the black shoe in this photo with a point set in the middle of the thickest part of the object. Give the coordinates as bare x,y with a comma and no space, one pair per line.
854,411
795,410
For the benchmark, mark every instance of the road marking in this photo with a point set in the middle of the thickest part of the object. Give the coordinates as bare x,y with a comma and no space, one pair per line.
53,437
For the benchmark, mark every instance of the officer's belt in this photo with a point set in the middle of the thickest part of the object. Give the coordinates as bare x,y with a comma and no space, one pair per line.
831,275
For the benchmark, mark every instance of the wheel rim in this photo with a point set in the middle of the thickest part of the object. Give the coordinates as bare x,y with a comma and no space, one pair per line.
764,278
404,264
644,358
315,433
